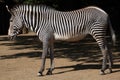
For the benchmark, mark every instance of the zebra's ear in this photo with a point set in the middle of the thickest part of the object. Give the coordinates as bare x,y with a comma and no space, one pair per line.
9,10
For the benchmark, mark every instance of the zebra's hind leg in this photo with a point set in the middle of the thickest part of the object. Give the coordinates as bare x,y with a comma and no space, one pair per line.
110,61
104,63
102,42
107,56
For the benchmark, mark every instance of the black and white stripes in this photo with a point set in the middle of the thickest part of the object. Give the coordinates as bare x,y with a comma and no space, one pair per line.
50,24
69,26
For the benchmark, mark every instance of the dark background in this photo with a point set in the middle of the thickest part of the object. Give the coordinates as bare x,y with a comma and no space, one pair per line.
110,6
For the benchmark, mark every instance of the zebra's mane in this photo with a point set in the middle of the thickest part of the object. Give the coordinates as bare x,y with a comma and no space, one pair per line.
42,6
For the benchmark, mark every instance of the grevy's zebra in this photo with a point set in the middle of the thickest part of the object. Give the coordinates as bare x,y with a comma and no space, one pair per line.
50,24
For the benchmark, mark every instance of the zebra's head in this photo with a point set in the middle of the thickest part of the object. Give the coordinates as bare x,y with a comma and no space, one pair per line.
15,24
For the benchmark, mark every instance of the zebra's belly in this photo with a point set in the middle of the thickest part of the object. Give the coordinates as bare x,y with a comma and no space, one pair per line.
69,38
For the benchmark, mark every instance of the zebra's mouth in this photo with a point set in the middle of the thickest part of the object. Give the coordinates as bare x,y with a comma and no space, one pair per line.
12,37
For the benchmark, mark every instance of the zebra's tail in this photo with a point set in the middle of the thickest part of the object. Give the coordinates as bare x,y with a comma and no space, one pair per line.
112,32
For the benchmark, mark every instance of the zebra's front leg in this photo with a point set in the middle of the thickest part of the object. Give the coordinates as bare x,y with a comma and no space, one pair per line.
45,50
51,51
52,63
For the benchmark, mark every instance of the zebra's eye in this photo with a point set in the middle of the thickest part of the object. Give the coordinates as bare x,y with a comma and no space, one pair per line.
11,20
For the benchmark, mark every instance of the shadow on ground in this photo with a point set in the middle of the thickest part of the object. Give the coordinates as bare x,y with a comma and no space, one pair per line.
74,50
84,67
85,50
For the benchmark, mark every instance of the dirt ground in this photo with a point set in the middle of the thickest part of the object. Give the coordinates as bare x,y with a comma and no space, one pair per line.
20,60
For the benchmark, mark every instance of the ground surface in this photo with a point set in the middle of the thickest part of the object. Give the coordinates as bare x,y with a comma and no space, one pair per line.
20,60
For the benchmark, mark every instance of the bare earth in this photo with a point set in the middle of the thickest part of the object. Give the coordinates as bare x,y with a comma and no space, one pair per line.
20,60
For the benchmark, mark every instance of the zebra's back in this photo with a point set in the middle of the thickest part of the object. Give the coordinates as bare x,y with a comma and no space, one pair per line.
75,25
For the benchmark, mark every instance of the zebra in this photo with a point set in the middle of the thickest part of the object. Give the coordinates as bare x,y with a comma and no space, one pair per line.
50,24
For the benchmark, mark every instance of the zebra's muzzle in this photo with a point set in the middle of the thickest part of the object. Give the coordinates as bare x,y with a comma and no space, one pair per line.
12,37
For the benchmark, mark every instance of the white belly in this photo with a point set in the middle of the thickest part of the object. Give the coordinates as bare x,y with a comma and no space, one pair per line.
68,37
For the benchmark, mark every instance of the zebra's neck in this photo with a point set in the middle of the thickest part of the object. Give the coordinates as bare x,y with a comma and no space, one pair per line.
33,15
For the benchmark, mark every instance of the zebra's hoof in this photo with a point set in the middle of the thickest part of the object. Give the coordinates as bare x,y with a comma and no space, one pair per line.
49,73
110,71
102,72
39,74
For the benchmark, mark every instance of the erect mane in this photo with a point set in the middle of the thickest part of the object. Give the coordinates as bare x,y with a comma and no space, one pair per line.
37,5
